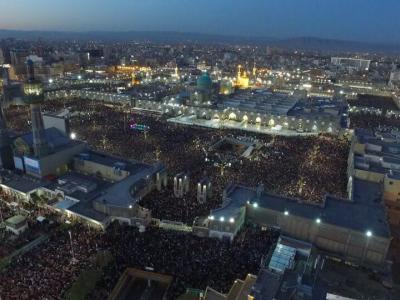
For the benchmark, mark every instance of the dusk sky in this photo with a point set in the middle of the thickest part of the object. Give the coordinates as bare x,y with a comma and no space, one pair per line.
362,20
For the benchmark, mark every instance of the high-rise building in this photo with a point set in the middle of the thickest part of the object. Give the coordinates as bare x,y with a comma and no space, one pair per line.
18,59
33,90
6,154
351,63
2,58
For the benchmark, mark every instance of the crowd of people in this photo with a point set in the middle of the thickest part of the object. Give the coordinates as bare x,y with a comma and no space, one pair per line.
48,270
306,167
213,262
374,121
303,167
370,101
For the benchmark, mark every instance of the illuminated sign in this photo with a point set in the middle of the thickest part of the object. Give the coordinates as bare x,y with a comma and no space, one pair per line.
18,163
32,165
31,162
139,127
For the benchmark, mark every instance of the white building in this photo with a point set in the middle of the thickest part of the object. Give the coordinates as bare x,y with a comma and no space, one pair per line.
351,63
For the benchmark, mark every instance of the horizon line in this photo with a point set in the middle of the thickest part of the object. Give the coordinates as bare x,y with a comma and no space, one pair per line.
387,43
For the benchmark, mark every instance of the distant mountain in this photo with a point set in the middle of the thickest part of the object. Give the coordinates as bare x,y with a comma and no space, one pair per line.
301,43
330,45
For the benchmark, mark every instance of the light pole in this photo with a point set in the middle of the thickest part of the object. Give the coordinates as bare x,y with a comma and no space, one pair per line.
72,248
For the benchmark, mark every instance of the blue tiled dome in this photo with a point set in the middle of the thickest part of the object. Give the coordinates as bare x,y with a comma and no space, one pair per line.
204,82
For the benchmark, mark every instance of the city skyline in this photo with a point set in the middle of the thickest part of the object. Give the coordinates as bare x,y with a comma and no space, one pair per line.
210,149
356,20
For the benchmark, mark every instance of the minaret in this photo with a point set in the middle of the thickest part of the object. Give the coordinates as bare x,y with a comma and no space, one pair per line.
6,154
40,145
30,70
239,73
6,77
34,96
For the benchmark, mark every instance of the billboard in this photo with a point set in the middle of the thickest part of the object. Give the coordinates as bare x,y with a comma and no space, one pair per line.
32,165
18,162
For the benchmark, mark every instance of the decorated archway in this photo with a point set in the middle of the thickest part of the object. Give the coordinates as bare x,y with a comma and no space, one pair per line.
232,116
271,122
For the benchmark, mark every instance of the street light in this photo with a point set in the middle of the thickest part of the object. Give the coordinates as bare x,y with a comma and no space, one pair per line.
286,213
73,136
222,219
231,220
318,221
255,204
368,233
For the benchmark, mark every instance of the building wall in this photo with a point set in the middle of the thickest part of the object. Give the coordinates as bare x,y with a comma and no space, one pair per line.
19,196
93,168
352,245
391,196
369,175
57,163
226,229
359,148
62,124
122,212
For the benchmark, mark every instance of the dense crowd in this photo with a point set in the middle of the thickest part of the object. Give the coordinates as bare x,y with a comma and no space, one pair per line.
303,167
213,262
48,270
307,167
370,101
373,121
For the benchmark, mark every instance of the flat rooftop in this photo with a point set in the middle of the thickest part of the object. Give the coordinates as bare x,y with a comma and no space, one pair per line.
79,186
261,101
56,140
365,212
21,183
84,189
86,210
111,161
120,193
137,284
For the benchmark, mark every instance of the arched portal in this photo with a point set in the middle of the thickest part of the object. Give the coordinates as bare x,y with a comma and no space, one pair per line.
232,116
271,122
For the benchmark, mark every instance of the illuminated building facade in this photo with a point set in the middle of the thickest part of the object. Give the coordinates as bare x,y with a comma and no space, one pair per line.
242,79
375,157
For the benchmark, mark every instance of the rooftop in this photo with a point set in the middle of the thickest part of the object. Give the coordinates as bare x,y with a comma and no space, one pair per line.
56,140
120,193
21,183
15,220
111,161
365,212
79,186
262,101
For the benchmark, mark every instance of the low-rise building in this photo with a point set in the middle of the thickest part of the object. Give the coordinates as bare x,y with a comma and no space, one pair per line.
354,229
16,224
375,157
